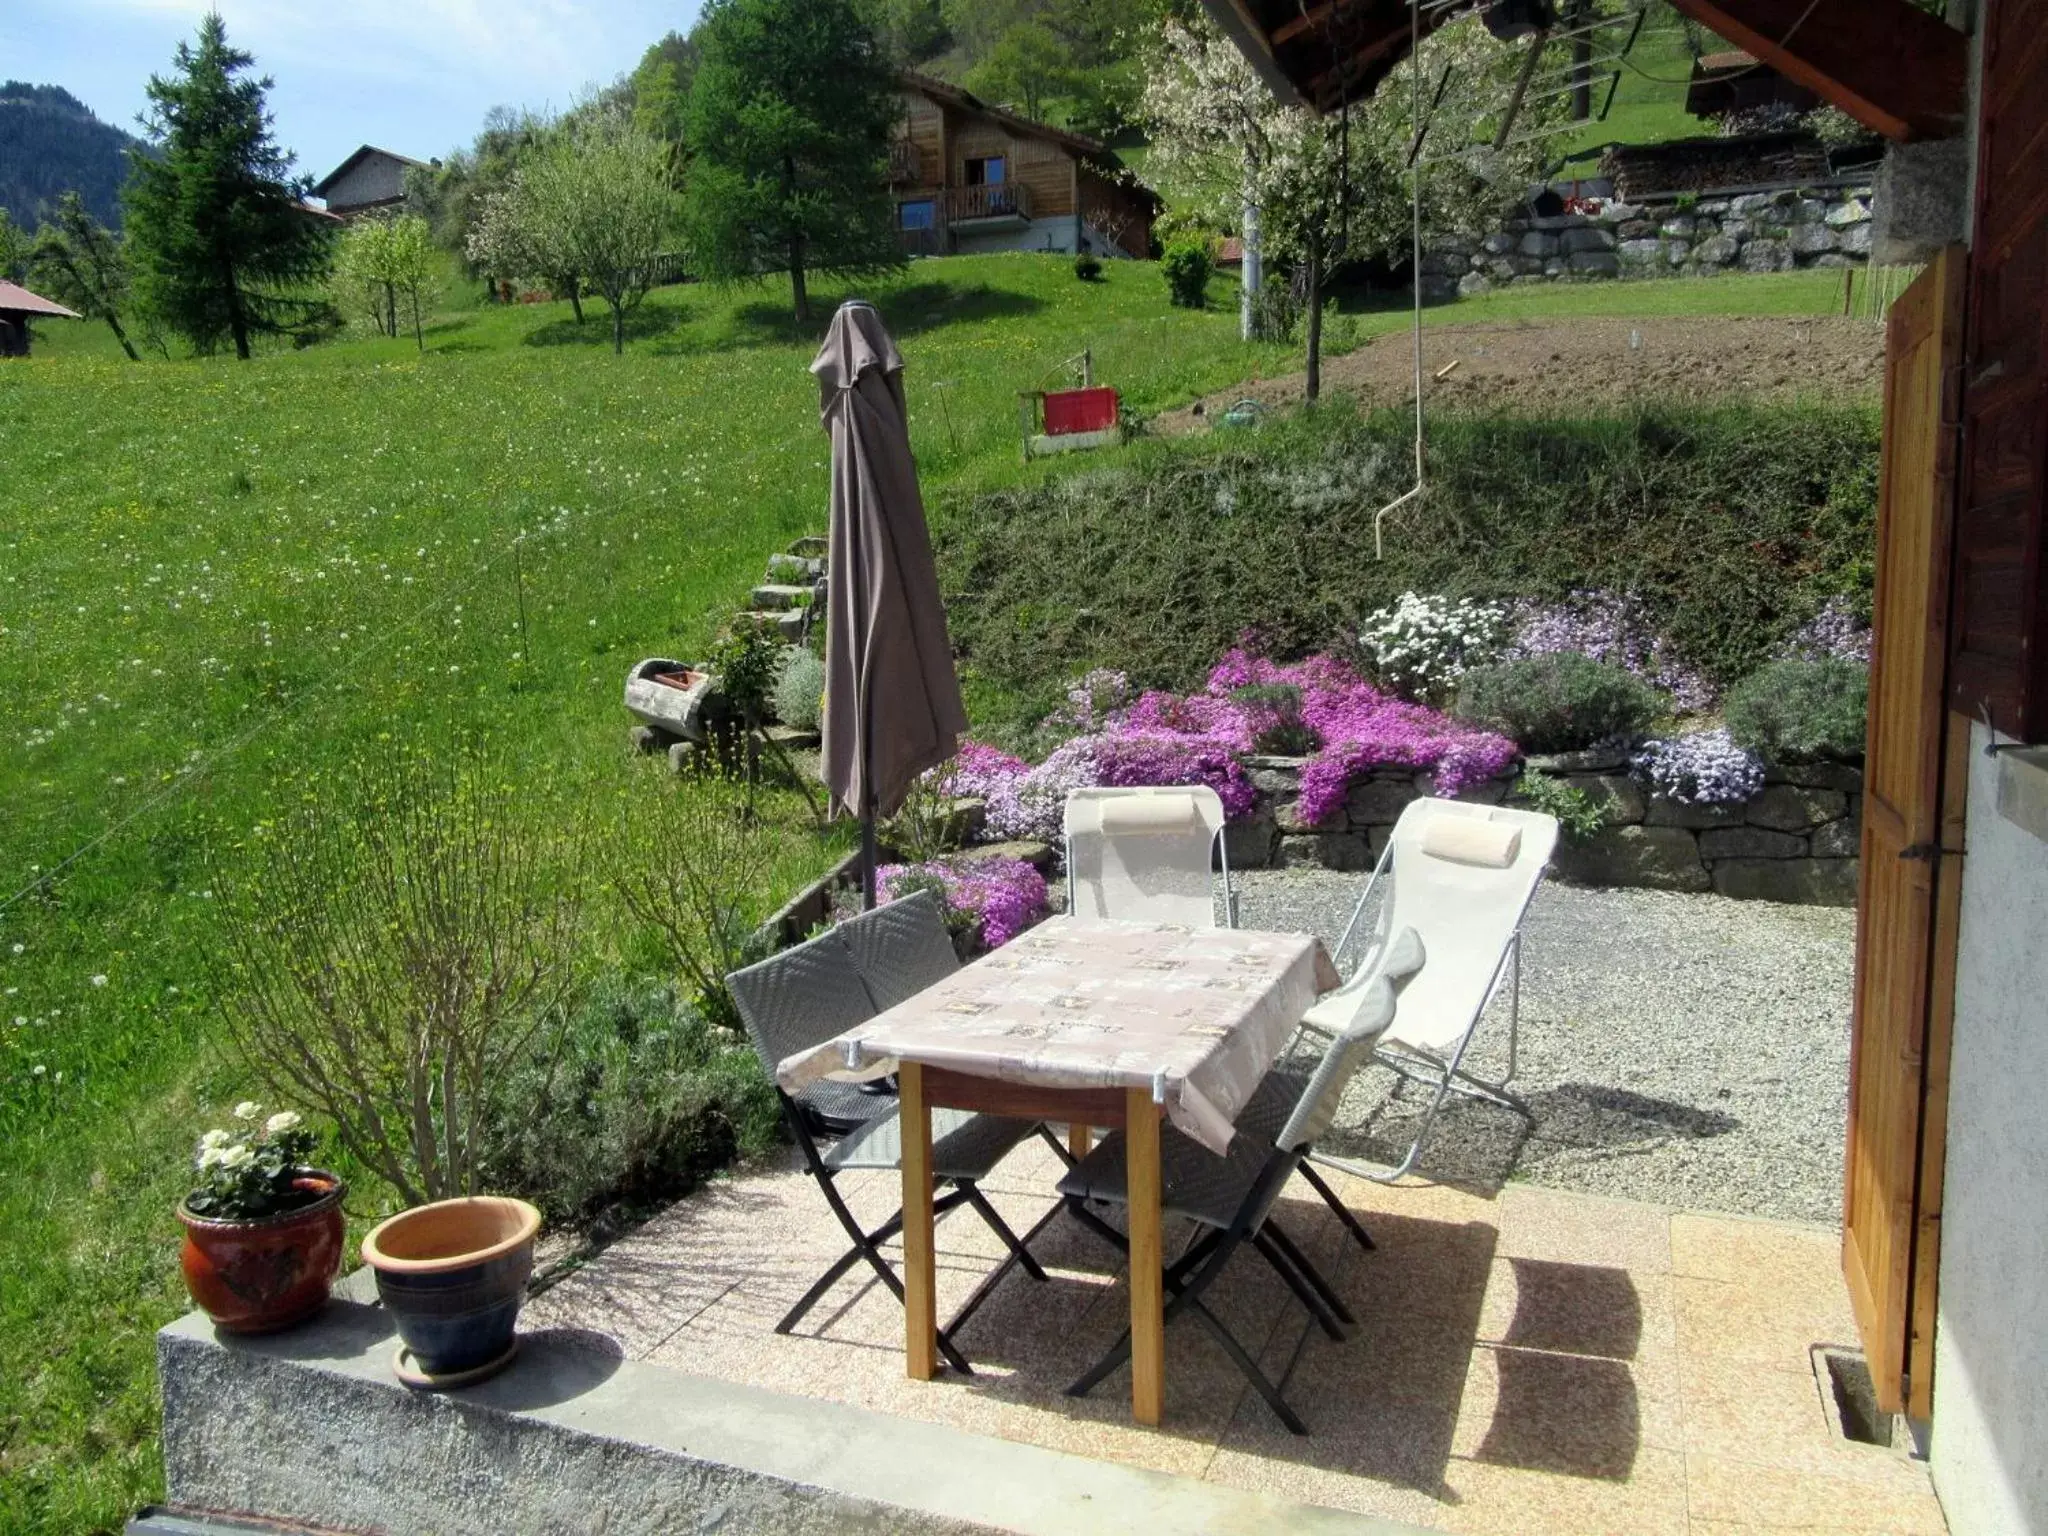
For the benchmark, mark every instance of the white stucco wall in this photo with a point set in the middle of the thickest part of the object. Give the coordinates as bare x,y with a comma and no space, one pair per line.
1054,234
1990,1434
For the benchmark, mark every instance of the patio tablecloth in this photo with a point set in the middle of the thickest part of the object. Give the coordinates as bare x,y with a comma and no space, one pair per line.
1195,1014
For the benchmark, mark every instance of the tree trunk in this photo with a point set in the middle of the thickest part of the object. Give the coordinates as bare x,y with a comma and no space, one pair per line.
1252,273
238,323
1582,58
390,310
419,335
114,324
1314,386
618,330
796,280
576,297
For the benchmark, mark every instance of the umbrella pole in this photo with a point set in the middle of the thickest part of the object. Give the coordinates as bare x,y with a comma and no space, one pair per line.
867,857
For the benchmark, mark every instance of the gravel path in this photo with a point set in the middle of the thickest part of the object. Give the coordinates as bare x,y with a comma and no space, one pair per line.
1688,1050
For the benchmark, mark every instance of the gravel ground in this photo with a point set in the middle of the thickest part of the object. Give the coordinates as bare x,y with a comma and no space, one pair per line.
1687,1050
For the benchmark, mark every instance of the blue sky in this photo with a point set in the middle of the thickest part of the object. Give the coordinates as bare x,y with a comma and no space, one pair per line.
414,76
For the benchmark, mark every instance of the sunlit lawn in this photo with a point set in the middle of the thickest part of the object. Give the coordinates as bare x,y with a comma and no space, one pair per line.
218,580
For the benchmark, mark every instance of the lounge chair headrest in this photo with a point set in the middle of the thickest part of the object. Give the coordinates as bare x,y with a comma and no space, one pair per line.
1468,840
1150,814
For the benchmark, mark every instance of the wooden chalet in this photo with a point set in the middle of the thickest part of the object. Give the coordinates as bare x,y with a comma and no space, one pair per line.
366,181
969,177
17,308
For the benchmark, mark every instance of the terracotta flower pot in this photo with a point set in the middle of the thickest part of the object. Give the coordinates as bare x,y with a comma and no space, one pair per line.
452,1275
261,1275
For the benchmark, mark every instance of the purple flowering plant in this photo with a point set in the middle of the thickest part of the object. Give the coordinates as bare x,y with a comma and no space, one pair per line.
1005,896
1611,627
1836,633
1701,768
1203,738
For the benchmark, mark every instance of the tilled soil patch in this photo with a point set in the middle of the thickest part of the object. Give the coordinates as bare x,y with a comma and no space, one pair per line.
1575,366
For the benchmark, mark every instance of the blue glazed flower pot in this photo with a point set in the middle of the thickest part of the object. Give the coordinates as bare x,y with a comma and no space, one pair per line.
452,1275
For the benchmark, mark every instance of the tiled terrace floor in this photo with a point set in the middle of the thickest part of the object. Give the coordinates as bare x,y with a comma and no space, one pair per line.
1528,1361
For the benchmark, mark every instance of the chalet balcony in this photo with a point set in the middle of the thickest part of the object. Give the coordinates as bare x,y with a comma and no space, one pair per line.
994,205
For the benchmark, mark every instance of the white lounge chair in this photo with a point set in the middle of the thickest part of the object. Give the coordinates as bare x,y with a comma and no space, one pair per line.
1462,876
1147,854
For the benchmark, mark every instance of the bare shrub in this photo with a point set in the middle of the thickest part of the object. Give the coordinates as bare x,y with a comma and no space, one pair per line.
393,950
692,866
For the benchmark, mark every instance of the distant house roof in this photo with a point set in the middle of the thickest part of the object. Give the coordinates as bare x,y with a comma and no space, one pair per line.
18,300
363,153
967,101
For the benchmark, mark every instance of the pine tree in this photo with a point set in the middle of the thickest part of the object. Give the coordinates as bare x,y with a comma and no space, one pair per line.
217,230
789,122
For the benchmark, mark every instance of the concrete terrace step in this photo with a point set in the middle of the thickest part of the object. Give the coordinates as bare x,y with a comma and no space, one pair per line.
574,1438
777,595
812,546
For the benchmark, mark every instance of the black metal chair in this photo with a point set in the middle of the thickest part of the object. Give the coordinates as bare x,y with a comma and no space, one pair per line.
801,998
1232,1196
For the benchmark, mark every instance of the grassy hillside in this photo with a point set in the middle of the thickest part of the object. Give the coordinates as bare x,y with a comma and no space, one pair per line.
216,580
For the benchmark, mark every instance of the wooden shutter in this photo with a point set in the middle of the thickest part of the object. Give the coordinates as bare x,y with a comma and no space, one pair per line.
1897,955
2000,663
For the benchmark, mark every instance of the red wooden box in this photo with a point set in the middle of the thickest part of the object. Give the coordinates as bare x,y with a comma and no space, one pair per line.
1079,410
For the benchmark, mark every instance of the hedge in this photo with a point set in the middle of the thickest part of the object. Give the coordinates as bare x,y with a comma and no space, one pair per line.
1733,525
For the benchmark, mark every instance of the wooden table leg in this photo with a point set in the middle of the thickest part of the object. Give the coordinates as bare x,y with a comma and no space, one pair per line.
920,1297
1148,1324
1080,1139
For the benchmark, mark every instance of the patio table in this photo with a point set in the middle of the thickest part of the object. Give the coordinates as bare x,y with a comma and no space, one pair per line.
1093,1023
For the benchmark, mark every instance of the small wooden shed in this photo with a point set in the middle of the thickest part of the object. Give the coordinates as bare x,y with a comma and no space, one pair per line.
17,307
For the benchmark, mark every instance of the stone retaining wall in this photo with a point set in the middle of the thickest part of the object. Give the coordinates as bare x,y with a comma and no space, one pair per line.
1769,231
1796,841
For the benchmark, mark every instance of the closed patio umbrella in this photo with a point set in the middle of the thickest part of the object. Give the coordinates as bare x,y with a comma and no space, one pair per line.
892,702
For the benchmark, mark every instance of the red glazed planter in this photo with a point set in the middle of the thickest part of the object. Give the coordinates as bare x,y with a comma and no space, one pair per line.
259,1276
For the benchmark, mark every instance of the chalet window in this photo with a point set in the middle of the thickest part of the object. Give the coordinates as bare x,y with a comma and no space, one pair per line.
985,171
916,215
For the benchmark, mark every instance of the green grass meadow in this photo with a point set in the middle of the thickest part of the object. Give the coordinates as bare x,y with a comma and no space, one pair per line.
219,581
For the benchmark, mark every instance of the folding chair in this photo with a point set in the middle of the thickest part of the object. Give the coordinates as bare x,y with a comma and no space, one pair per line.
902,947
1147,854
803,997
1462,877
1233,1195
1266,1112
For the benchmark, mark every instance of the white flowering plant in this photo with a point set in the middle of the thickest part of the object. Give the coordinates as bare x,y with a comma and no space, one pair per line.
1423,644
255,1169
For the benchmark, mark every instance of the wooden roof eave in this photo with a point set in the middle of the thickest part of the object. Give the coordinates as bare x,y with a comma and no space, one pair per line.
1235,21
1890,65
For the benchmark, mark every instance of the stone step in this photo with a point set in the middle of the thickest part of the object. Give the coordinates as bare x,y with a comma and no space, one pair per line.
794,568
789,622
812,546
775,594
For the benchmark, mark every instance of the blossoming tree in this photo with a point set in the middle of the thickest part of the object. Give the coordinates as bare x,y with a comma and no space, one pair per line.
1325,189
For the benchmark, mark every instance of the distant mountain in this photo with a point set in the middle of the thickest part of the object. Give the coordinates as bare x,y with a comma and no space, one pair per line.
51,143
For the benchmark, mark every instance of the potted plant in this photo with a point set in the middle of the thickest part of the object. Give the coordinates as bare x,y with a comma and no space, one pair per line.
452,1275
263,1229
